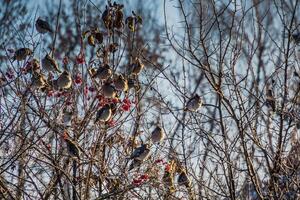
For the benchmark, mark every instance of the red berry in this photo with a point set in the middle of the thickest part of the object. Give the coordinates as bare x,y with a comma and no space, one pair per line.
158,161
80,58
115,100
125,107
136,181
104,100
99,97
48,146
86,90
50,93
126,101
65,60
78,79
23,70
111,123
144,177
167,168
10,73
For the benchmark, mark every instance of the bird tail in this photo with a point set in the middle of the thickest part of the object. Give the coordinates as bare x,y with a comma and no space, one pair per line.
130,167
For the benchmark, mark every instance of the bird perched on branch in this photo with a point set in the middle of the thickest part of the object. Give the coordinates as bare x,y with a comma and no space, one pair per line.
107,18
38,81
121,83
72,148
64,81
109,91
270,100
194,103
118,21
43,26
103,72
296,37
34,65
104,114
49,64
141,153
132,83
92,71
67,115
137,67
157,135
183,179
22,53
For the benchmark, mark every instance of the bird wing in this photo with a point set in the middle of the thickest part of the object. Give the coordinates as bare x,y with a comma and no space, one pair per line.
98,115
183,179
137,152
72,147
189,103
143,155
45,25
54,64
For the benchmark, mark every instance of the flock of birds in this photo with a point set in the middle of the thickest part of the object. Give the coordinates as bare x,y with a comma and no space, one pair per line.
109,90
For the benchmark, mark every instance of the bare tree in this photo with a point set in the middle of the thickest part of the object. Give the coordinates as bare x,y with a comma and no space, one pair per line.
101,101
244,57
